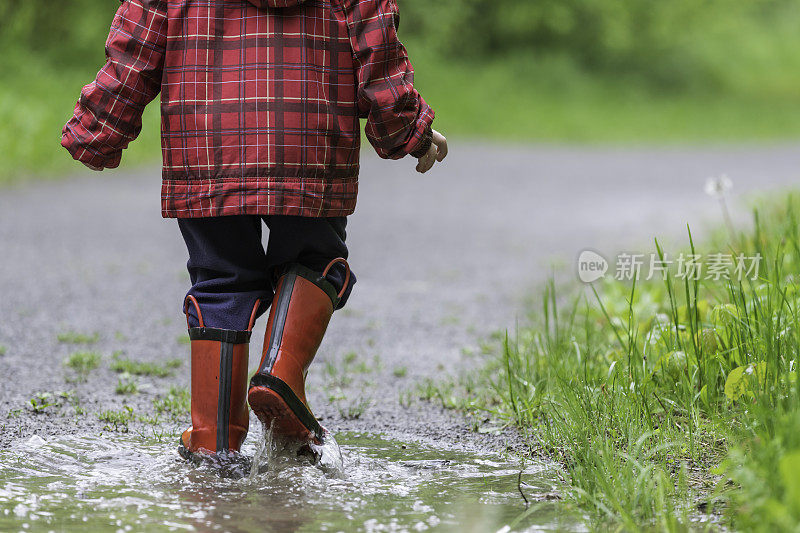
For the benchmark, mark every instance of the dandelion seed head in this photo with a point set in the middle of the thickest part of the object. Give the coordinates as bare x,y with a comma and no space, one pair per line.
718,186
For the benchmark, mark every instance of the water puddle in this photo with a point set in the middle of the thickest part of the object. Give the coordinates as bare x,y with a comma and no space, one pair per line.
369,483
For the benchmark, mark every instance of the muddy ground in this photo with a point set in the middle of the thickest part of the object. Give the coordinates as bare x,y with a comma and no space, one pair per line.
443,261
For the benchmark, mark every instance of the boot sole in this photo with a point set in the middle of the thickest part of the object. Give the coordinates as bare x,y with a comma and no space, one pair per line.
184,452
276,405
190,456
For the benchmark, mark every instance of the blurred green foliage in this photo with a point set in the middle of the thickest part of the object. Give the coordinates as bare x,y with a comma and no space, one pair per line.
67,34
731,45
675,45
50,50
557,70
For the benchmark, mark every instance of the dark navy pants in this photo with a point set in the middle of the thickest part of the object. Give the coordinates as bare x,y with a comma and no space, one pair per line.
230,270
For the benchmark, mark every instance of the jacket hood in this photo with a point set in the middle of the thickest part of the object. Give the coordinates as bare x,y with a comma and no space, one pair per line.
276,3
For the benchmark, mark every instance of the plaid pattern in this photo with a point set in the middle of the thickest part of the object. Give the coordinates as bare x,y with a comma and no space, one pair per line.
260,105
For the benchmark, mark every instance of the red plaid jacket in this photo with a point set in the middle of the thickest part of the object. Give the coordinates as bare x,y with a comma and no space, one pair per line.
260,101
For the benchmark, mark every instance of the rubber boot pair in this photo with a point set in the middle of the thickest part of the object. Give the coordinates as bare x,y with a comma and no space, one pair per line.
301,309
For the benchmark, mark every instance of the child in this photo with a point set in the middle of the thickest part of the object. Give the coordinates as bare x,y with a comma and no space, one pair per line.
260,104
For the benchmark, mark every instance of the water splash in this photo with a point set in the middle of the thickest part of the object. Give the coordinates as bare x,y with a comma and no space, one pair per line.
273,455
263,452
225,464
329,457
369,483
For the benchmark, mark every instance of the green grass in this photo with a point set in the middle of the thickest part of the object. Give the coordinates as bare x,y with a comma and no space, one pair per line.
126,385
668,399
124,365
82,363
117,419
354,409
176,403
40,402
74,337
3,350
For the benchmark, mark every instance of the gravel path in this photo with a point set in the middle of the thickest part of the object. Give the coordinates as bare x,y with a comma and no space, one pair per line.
443,260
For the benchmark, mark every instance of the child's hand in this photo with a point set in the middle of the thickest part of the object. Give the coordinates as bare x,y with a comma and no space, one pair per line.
437,152
92,167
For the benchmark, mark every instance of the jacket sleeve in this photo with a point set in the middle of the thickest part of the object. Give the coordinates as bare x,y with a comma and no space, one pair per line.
398,119
108,115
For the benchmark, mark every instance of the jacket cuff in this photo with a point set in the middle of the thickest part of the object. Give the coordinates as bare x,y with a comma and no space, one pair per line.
85,155
425,144
421,139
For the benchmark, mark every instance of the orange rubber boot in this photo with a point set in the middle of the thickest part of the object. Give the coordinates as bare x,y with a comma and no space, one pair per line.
303,304
220,417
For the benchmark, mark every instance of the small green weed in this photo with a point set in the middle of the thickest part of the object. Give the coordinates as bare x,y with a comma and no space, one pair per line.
126,385
82,363
450,320
336,378
3,350
450,393
406,398
73,337
41,401
353,411
139,368
400,372
335,395
156,434
175,404
183,339
153,420
117,420
339,378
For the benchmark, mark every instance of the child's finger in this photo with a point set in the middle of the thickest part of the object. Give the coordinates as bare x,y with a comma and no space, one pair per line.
426,162
441,145
432,156
420,164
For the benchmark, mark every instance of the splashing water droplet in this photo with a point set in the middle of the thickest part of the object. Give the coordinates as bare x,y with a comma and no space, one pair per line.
35,442
330,459
264,451
273,455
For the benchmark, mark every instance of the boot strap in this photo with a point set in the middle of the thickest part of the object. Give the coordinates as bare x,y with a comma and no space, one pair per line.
343,261
317,279
220,335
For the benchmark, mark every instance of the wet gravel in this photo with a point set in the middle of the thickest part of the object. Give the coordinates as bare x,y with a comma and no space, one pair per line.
443,260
